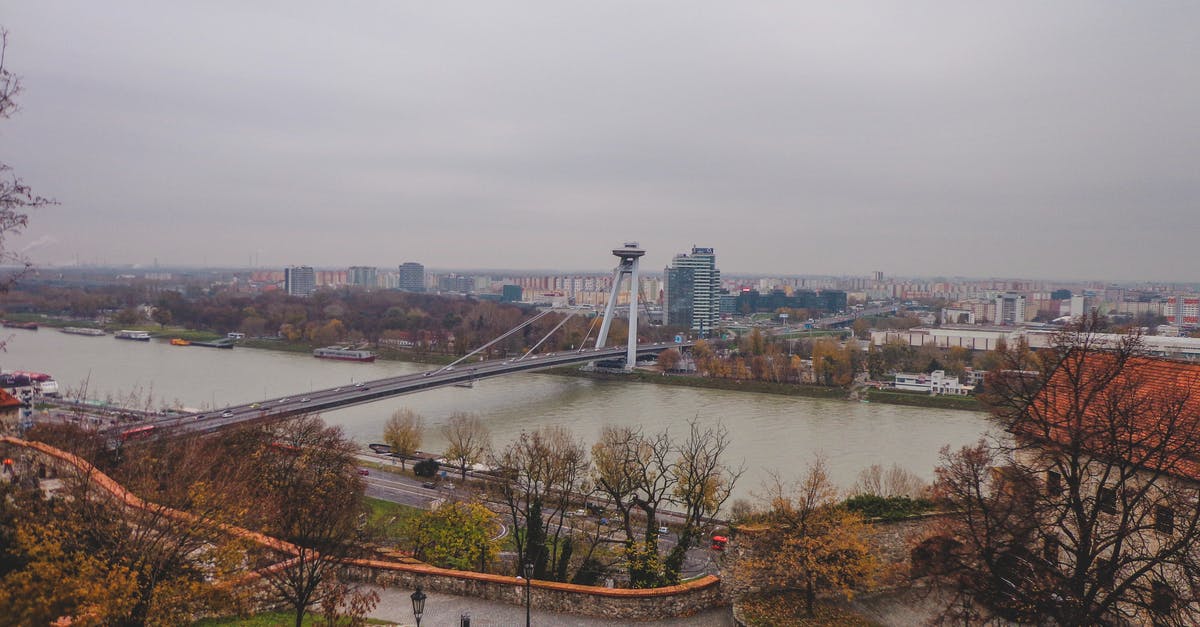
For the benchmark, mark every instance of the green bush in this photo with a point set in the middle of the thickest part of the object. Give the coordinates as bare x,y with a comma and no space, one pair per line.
888,507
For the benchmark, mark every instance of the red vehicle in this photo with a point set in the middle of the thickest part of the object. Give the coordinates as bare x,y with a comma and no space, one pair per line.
719,542
136,432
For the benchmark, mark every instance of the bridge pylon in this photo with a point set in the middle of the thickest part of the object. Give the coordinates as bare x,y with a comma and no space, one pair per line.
628,255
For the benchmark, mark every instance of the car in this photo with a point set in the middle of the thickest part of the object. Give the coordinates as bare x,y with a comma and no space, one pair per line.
448,486
426,374
359,384
337,389
255,406
199,416
364,472
284,400
429,484
449,368
227,414
663,530
305,399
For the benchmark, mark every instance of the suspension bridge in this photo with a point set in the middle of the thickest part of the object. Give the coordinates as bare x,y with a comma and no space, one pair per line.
467,369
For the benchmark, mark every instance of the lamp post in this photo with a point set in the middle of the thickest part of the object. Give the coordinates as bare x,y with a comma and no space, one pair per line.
528,579
418,601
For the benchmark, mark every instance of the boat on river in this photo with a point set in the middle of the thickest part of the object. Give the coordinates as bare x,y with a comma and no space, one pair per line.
344,353
137,336
83,331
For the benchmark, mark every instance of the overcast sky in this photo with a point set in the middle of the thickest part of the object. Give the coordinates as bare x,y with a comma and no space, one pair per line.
1034,139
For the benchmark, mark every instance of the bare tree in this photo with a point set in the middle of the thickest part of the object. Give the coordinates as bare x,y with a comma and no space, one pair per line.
467,440
704,483
403,432
16,198
636,473
312,497
895,481
1088,515
541,473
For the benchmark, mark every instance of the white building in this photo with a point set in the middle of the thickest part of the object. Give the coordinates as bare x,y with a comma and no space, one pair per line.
935,382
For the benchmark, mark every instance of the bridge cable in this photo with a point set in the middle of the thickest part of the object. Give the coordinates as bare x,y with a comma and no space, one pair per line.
591,328
506,334
543,340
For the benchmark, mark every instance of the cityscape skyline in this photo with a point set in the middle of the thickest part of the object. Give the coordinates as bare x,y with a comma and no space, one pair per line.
1007,140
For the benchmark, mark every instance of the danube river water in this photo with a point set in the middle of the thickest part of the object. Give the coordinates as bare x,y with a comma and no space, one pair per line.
768,431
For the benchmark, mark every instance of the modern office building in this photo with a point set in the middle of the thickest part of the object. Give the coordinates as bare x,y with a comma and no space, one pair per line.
362,276
693,291
1010,308
412,277
299,280
510,294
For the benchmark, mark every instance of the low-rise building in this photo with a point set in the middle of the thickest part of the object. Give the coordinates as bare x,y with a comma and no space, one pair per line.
935,382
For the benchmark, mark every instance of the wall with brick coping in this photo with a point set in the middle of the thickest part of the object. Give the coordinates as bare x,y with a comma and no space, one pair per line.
617,603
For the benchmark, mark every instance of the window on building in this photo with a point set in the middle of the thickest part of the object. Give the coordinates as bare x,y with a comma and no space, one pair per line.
1053,483
1050,550
1164,519
1106,500
1162,597
1106,572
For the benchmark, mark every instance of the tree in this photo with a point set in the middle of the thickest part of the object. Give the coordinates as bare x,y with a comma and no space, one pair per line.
403,432
310,495
1088,515
810,543
16,198
668,359
634,470
541,472
456,535
704,482
467,440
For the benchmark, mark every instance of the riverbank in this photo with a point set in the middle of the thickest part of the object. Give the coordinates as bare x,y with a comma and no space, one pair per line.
966,403
762,387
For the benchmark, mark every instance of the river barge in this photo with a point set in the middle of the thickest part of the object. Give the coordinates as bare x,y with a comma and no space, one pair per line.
344,353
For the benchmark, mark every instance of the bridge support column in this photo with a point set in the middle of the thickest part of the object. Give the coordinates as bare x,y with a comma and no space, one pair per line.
629,255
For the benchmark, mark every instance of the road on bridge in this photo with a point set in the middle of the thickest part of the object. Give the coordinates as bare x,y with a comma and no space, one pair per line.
370,391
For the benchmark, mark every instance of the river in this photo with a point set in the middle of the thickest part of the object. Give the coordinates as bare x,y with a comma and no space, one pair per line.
768,431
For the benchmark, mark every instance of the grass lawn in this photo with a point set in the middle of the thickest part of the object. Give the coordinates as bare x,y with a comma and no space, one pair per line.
386,517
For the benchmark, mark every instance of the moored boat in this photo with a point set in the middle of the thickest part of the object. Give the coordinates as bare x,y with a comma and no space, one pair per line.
178,341
137,336
82,331
13,324
344,353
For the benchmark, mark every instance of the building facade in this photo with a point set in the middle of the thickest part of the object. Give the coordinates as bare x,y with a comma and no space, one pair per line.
299,280
412,277
693,291
362,276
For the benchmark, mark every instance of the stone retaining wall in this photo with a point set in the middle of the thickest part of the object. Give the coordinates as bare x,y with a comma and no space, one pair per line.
614,603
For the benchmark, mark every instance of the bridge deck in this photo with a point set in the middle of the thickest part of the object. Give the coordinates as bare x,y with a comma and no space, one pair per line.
370,391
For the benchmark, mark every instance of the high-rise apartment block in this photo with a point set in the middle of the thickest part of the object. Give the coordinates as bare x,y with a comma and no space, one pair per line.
1010,308
412,277
299,280
362,276
693,286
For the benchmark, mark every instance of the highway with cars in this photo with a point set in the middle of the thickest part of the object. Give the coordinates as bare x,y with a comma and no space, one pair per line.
369,391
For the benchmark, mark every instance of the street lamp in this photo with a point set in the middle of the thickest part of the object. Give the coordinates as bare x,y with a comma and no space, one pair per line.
528,579
418,601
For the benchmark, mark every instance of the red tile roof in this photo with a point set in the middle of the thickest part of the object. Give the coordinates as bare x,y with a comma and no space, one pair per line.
1146,410
8,400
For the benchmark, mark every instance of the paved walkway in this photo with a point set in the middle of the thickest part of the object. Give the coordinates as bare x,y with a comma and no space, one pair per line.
444,610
